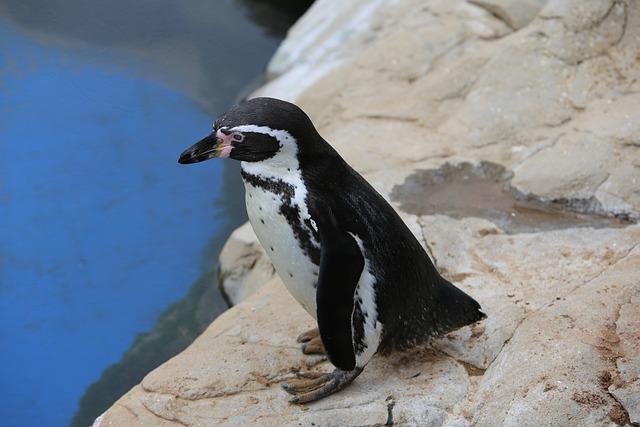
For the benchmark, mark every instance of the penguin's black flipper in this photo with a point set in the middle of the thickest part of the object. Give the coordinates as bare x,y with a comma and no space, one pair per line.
341,264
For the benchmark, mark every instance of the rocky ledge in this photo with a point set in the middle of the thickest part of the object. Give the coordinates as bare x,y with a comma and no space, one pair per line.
507,134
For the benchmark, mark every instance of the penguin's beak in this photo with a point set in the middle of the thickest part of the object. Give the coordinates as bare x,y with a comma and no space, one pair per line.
207,148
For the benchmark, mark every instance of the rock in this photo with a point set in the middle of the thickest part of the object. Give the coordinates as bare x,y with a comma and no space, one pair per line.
626,384
244,266
539,345
230,377
594,161
315,44
629,403
560,349
431,86
516,14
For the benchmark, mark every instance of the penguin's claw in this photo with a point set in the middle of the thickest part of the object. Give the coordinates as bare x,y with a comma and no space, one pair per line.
311,386
314,346
308,336
311,342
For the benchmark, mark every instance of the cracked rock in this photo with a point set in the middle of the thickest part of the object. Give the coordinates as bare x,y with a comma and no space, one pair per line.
516,14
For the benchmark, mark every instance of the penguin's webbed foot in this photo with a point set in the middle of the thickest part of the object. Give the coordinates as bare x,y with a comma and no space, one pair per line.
311,342
312,386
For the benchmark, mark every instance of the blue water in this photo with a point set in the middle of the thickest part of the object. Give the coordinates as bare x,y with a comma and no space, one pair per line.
88,244
100,228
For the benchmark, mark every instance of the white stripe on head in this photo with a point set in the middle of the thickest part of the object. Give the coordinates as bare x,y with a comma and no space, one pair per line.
288,143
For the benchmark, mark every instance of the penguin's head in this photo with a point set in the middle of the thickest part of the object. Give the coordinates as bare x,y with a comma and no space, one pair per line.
256,130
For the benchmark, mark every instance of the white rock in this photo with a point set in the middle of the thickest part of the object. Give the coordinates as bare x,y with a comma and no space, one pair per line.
244,266
516,14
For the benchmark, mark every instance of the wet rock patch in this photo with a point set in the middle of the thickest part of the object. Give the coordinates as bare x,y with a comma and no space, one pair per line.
483,190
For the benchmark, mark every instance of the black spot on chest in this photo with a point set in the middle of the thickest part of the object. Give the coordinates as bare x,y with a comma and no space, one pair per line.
302,230
359,319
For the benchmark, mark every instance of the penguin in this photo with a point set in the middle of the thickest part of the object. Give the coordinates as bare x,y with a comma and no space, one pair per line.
339,247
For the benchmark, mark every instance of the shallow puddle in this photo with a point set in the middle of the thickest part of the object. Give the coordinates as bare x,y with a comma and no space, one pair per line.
483,191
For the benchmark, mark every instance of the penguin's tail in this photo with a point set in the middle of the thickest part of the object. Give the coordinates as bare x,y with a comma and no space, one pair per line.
440,310
455,308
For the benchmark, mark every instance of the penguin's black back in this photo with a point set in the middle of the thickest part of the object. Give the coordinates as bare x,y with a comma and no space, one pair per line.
414,303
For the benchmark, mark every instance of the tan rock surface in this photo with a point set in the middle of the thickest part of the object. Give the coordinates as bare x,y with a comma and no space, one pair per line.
244,266
557,104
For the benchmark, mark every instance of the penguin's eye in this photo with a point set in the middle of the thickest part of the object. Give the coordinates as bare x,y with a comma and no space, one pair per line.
238,137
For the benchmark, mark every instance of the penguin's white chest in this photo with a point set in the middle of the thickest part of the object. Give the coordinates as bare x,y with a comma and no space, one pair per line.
281,221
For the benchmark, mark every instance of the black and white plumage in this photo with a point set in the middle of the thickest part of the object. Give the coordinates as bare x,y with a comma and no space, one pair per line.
338,246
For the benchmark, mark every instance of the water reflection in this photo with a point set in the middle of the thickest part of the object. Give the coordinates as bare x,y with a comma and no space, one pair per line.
206,50
101,229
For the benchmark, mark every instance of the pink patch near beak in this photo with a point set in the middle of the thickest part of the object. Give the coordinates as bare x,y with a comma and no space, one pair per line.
224,145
